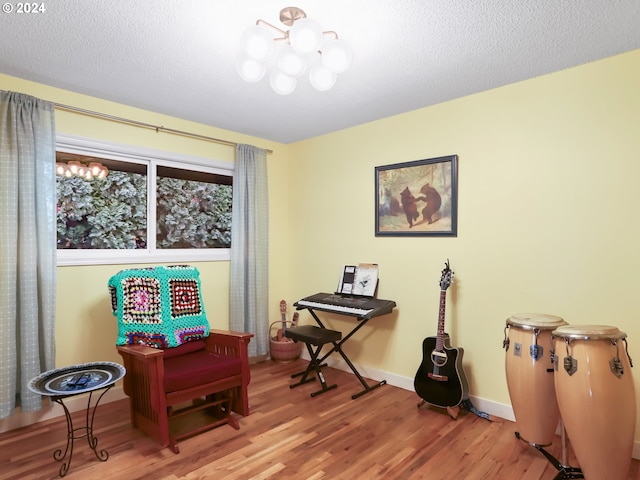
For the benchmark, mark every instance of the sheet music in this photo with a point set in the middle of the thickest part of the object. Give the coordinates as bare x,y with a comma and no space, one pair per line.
347,277
358,280
366,279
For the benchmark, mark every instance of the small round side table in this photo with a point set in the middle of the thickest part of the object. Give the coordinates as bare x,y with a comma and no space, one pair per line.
70,381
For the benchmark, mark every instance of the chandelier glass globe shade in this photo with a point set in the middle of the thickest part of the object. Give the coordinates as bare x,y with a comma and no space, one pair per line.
305,36
336,55
321,77
251,70
257,42
290,63
281,83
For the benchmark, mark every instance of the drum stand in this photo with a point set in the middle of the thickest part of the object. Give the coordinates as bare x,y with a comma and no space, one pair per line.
564,471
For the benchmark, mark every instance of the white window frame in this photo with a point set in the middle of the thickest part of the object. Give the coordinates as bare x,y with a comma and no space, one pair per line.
151,158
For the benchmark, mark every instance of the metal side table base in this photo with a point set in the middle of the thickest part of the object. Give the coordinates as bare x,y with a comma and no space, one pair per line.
86,431
66,382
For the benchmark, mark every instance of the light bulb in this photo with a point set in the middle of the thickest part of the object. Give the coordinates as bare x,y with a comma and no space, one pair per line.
305,36
61,168
98,170
257,42
321,77
74,167
336,55
290,63
95,168
281,83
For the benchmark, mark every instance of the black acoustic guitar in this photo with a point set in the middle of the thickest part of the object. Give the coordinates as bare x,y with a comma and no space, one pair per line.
440,380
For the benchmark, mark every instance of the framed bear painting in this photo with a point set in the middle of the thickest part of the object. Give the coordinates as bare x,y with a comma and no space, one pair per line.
418,198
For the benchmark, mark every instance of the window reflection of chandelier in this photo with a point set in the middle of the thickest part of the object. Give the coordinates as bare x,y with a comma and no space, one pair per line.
77,169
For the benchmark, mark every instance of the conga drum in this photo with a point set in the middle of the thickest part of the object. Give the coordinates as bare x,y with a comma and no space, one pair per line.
596,397
529,372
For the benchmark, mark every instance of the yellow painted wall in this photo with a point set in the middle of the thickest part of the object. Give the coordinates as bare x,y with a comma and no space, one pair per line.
548,174
547,222
85,328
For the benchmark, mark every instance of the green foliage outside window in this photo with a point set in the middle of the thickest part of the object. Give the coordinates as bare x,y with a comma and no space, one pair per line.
193,214
111,213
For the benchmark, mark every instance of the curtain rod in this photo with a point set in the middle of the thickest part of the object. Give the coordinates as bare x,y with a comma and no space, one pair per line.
145,125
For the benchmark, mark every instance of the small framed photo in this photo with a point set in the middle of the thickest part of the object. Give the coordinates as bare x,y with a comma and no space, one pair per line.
418,198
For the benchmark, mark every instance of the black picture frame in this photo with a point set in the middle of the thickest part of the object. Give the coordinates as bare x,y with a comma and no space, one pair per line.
417,198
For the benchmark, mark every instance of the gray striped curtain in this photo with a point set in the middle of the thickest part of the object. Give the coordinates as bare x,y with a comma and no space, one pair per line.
249,282
27,247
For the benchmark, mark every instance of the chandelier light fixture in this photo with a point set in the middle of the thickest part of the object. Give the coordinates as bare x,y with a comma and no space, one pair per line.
305,47
76,169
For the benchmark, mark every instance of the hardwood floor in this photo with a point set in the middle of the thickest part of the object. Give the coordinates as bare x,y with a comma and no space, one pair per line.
293,436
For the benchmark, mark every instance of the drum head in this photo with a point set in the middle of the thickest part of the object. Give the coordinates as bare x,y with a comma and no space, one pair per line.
588,332
541,321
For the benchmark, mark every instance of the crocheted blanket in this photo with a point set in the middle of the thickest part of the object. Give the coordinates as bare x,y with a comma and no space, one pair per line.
158,306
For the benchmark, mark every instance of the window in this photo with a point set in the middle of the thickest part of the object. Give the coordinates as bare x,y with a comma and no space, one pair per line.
151,207
193,209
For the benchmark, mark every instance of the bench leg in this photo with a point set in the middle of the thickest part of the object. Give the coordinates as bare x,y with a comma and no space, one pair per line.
314,366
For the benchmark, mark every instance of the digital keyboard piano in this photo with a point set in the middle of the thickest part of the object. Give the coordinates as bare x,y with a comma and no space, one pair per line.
364,308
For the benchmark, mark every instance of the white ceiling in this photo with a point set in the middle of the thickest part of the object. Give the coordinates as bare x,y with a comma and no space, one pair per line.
177,57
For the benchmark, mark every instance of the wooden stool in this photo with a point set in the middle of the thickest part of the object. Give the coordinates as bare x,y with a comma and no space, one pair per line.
313,336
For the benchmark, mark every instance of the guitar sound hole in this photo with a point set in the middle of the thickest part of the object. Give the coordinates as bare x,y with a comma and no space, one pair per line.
438,358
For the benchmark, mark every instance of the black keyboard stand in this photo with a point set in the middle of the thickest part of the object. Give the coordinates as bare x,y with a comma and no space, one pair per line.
337,347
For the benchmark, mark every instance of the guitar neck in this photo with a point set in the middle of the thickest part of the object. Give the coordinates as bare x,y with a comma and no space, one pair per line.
443,304
283,316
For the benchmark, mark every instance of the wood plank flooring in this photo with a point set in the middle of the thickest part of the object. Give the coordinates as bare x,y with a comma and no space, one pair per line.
289,435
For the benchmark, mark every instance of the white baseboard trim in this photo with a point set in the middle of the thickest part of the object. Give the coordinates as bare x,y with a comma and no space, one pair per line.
493,408
51,410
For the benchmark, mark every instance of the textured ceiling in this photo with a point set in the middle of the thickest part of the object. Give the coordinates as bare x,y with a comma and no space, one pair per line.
177,57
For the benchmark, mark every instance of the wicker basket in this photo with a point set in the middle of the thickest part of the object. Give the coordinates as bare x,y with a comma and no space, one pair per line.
283,352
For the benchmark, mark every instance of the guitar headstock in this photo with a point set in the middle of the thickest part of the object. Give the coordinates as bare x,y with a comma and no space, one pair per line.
447,277
283,306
